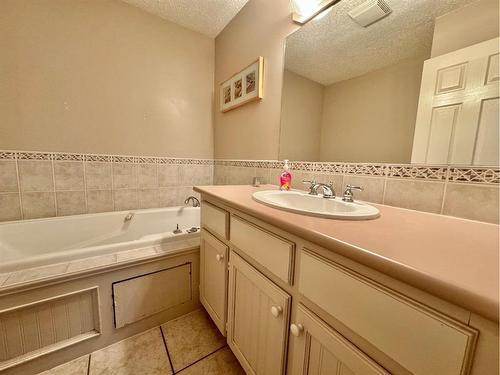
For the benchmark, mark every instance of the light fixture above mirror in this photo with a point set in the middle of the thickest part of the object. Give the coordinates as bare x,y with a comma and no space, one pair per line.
306,10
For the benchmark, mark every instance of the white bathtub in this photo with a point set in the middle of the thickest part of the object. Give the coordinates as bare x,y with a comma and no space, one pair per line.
32,243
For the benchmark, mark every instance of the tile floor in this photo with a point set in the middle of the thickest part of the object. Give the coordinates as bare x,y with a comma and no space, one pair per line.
189,345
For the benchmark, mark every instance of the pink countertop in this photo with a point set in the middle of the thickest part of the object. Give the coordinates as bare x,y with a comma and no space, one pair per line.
451,258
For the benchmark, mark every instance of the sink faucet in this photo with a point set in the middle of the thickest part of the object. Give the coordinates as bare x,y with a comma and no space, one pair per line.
328,189
194,200
348,195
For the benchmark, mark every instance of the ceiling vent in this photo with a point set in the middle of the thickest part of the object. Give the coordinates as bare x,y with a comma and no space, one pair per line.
370,12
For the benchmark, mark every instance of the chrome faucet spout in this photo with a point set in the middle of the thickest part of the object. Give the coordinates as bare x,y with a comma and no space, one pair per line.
194,201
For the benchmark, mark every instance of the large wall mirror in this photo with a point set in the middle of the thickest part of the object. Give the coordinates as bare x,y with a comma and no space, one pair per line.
418,85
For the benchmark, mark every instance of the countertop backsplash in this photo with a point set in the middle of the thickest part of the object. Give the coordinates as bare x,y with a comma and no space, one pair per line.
46,184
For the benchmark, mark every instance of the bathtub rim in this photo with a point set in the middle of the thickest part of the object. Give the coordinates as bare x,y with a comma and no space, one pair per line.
189,246
105,213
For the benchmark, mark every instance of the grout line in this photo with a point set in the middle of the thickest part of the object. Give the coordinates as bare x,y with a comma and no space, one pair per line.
446,182
85,186
88,364
54,182
166,349
201,359
21,209
113,182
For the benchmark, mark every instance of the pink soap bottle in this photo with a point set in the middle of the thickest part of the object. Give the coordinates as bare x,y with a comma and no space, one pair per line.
286,178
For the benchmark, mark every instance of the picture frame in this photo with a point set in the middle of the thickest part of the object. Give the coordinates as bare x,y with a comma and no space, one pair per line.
243,87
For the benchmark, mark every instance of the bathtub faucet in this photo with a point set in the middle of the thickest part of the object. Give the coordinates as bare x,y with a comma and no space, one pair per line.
196,202
129,217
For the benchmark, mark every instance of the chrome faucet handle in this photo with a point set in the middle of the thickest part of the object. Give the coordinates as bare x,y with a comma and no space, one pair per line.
313,187
348,195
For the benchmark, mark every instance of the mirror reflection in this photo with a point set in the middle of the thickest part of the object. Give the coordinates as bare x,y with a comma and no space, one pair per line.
393,82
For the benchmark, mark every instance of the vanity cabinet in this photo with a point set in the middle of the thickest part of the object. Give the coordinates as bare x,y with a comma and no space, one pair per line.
213,278
319,350
258,319
291,307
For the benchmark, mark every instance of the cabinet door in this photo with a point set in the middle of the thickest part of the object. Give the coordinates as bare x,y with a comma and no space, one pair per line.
213,278
319,350
257,319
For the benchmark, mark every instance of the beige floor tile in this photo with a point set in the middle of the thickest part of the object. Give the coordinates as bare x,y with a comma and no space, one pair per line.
190,338
222,362
78,366
141,354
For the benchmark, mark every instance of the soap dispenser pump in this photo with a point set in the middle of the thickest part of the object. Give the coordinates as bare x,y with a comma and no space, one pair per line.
286,178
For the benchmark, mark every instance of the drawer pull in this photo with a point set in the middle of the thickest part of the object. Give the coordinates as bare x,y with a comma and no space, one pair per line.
276,311
219,257
296,329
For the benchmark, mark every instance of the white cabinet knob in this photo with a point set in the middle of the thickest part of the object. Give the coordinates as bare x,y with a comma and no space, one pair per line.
219,257
276,311
296,329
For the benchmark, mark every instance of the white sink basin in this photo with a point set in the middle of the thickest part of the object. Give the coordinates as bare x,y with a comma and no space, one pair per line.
316,205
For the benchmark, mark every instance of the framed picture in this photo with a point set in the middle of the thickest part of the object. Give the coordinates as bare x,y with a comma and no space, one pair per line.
243,87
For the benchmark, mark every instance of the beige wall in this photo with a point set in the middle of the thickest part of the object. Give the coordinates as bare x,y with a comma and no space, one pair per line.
302,108
466,26
259,29
101,76
371,118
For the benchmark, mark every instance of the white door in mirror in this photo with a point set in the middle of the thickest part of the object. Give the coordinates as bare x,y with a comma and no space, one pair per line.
316,205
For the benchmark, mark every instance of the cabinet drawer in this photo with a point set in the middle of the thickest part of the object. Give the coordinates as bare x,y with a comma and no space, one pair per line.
421,340
213,278
273,252
214,219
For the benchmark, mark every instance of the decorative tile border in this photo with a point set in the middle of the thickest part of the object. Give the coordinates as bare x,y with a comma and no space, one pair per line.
62,156
47,184
467,174
471,175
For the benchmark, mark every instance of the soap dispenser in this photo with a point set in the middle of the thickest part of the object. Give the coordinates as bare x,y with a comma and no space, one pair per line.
286,178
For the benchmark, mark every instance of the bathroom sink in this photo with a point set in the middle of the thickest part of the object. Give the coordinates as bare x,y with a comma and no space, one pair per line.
316,205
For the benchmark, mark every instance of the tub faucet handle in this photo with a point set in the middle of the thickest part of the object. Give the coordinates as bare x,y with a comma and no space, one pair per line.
129,217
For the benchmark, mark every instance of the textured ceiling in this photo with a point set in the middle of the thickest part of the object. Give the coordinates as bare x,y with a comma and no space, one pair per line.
208,17
334,48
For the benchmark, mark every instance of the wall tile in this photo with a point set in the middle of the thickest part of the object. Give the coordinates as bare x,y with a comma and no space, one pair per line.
70,203
196,175
124,176
99,201
8,176
240,175
373,188
263,174
38,205
148,198
220,175
416,195
168,196
69,175
476,202
125,199
10,206
98,175
297,178
170,175
147,176
36,175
